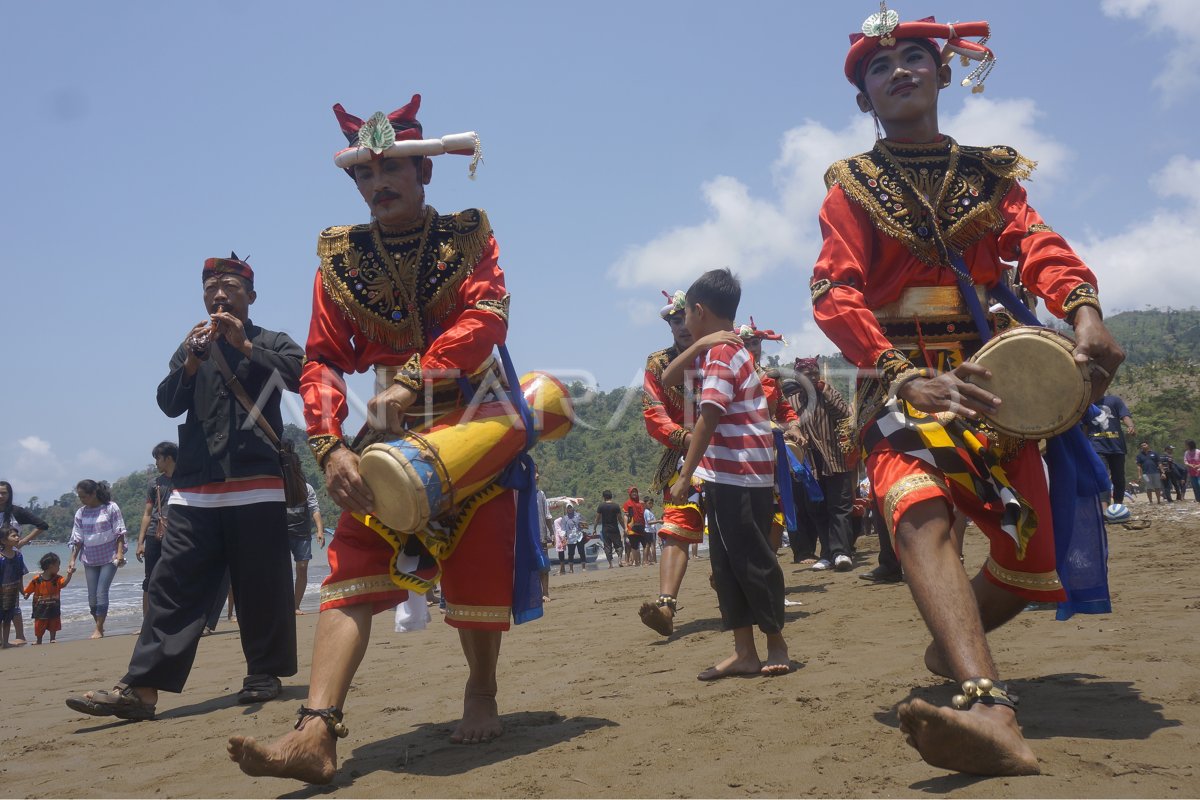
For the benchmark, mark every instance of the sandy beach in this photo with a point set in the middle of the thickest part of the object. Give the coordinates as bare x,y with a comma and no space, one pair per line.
596,705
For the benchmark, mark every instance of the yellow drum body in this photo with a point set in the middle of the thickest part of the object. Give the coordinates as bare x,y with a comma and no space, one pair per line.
1034,372
422,475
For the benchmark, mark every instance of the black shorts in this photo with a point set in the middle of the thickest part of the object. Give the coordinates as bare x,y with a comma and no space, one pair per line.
636,540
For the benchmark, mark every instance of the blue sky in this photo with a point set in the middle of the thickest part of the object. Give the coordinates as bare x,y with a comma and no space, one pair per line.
628,147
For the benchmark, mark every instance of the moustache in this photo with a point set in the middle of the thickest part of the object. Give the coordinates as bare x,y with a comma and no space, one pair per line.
384,196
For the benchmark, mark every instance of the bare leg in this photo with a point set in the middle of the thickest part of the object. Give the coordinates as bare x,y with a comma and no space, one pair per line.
984,740
996,607
99,632
546,585
481,719
18,621
309,754
671,569
778,662
301,582
744,660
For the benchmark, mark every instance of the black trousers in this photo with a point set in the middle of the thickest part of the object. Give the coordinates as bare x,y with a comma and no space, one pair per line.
746,573
810,516
251,542
1116,471
887,554
839,504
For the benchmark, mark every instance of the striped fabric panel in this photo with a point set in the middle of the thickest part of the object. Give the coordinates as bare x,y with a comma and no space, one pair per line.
227,494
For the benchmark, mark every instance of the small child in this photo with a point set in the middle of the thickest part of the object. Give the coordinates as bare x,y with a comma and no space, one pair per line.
46,588
12,570
733,452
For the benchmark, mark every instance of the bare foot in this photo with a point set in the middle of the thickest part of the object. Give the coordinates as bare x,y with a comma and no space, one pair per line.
777,662
983,741
97,635
658,618
480,721
734,665
19,642
935,663
299,613
308,754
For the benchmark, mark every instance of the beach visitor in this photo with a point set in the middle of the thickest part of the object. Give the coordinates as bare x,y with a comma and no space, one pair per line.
825,419
98,540
12,570
732,451
154,515
16,516
300,522
1107,430
1191,457
1172,474
1149,464
664,415
226,508
560,544
573,527
635,527
46,590
893,257
546,529
420,297
610,521
651,542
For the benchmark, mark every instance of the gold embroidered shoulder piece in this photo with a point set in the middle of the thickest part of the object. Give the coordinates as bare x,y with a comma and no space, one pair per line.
398,296
966,183
656,365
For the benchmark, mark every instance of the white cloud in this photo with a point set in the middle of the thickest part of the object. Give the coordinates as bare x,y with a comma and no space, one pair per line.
96,460
34,445
1174,19
33,467
755,235
1153,261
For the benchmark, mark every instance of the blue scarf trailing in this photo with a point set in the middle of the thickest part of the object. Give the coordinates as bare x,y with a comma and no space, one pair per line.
530,559
1077,478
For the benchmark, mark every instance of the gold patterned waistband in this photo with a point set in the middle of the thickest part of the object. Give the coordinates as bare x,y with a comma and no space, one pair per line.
1033,581
929,302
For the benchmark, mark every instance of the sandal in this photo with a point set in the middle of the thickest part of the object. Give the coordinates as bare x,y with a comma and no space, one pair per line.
259,689
121,703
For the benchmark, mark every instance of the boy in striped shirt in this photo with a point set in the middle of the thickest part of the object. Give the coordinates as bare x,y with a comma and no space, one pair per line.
733,453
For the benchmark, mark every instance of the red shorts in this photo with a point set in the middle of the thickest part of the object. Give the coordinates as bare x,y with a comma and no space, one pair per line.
902,481
41,626
476,578
682,524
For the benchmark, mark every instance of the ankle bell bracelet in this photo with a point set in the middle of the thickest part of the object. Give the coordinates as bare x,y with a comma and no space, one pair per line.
986,691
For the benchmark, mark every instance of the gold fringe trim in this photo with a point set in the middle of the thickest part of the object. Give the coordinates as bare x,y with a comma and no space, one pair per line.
901,489
477,613
357,587
1031,581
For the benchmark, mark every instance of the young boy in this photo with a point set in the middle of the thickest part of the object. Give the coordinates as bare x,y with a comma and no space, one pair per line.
12,569
46,589
732,451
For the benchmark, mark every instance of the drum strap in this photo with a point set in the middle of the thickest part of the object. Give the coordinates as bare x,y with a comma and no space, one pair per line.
1077,476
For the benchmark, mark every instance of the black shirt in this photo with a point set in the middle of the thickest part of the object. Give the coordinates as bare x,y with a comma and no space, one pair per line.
610,514
216,441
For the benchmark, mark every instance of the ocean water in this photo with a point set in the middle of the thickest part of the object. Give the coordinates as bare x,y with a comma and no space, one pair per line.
125,596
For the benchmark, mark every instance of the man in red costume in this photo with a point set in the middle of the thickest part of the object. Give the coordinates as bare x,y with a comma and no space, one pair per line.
900,223
419,297
682,525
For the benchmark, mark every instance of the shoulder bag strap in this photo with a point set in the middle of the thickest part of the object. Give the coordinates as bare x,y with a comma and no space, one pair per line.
239,392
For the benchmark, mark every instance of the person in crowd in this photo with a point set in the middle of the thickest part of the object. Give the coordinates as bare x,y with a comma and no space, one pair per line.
1172,475
12,570
227,508
98,540
574,528
1191,457
635,527
46,591
914,230
610,521
15,516
301,521
1149,463
154,515
1107,431
651,543
732,450
560,544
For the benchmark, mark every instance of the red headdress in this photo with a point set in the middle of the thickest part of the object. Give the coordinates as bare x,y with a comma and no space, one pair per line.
885,28
752,332
398,134
805,364
227,266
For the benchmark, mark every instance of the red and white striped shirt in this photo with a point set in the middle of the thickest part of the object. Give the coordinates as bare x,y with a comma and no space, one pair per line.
742,450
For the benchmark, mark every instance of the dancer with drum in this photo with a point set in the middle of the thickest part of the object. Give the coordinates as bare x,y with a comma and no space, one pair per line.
682,524
902,224
418,296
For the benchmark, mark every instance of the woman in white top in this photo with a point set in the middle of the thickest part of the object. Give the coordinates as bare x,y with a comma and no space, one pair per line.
97,539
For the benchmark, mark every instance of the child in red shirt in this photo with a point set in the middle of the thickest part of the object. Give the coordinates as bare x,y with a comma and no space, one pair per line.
45,589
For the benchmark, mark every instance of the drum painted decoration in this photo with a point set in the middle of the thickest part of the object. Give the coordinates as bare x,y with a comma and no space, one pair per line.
1043,390
424,473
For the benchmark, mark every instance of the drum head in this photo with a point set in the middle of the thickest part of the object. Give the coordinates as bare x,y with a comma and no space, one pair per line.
1044,391
400,500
